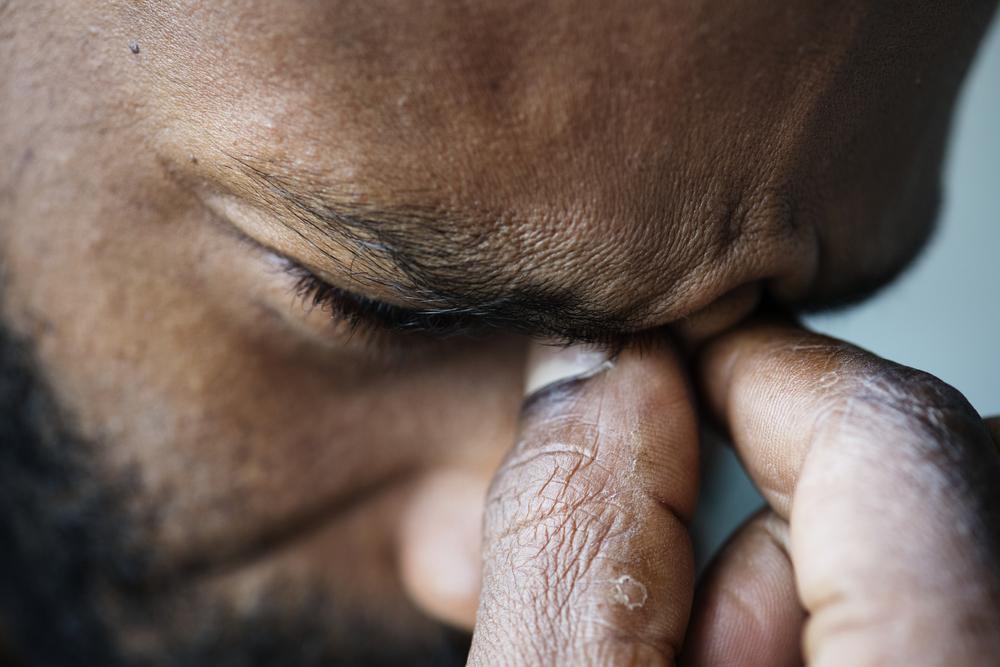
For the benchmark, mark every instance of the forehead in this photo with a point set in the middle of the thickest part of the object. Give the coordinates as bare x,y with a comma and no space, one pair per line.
449,95
553,129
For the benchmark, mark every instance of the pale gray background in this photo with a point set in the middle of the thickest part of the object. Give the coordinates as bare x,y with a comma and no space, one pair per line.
943,315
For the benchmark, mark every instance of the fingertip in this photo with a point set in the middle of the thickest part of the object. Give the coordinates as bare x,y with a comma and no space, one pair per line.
747,610
549,365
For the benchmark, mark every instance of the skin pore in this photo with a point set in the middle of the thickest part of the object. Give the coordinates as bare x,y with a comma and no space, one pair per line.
496,172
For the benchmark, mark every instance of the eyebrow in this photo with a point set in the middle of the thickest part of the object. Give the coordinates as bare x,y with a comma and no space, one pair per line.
446,269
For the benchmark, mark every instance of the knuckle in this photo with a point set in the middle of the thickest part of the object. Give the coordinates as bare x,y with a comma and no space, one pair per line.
923,419
907,398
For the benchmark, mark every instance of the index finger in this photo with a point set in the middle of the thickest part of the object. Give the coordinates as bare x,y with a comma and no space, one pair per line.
587,559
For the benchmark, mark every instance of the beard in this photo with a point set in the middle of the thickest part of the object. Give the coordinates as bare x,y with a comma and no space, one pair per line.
72,572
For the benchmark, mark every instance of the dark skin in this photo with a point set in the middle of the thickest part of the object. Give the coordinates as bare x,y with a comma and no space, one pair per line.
179,173
880,544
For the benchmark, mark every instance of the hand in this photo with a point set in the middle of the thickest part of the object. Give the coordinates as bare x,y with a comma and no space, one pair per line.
882,539
884,493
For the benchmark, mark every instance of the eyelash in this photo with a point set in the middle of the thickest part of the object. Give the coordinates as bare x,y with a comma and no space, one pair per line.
397,330
375,319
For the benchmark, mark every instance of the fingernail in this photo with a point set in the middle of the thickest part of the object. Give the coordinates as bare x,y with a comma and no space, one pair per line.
550,365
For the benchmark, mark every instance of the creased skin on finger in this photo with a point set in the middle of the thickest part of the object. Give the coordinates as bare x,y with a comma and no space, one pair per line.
587,560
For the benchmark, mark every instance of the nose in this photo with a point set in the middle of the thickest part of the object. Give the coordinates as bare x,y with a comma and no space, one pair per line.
721,314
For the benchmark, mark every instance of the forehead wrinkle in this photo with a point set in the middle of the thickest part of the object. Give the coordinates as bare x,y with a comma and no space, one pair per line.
443,257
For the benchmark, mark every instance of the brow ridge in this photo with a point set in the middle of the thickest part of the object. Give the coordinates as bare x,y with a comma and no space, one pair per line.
429,259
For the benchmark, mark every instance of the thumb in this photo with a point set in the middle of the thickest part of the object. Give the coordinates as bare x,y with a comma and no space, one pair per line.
889,483
587,559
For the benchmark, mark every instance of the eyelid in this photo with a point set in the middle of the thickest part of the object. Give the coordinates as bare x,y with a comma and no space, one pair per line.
368,315
392,329
389,325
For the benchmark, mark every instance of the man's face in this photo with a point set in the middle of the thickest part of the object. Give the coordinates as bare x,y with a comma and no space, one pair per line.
279,263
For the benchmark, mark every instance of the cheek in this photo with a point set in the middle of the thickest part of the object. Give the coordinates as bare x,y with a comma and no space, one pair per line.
251,439
229,427
353,469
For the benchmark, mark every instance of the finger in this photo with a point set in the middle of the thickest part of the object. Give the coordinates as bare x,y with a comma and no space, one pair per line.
746,612
587,560
891,486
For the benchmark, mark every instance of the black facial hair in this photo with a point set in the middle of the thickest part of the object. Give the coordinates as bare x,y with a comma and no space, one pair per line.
65,556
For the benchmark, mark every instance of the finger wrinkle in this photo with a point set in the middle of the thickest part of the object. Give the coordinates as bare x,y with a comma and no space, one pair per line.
583,533
586,455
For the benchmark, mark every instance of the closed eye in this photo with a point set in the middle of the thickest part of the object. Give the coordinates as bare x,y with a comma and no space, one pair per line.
366,315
